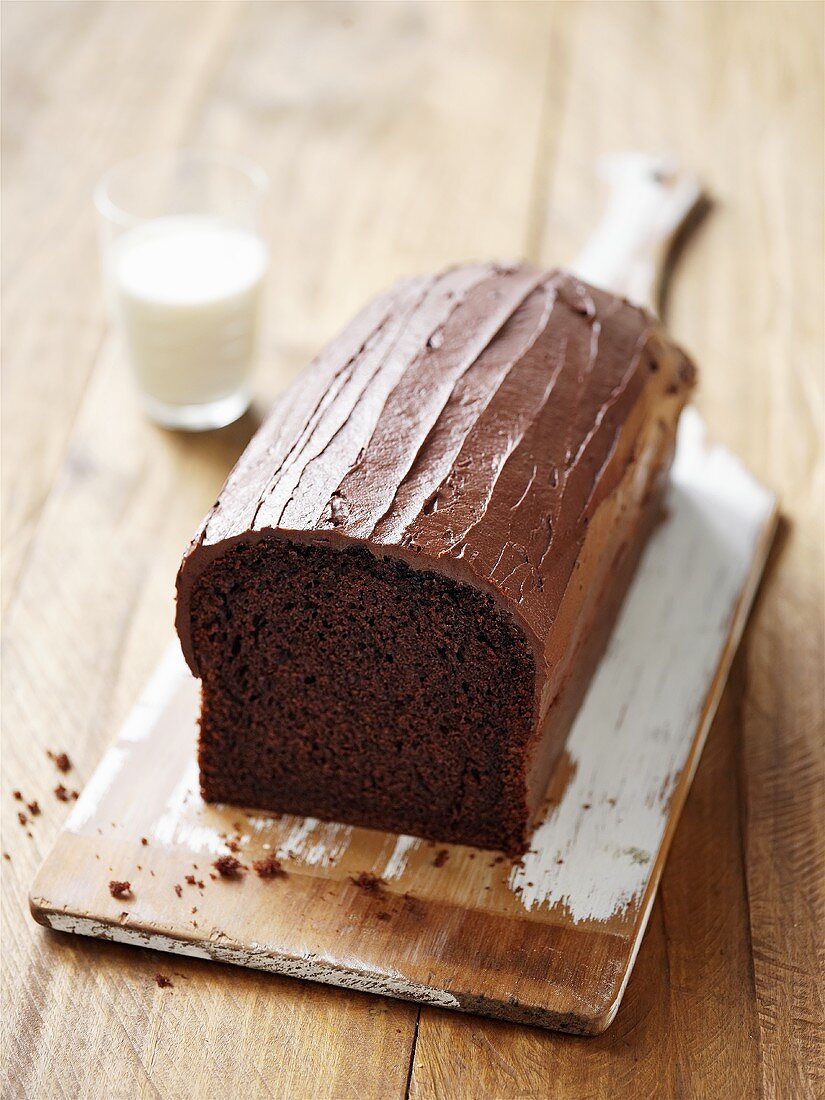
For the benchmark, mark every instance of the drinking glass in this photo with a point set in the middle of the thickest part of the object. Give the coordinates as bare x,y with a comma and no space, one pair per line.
183,265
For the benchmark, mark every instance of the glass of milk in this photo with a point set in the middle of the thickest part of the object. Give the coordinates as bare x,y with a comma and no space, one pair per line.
184,263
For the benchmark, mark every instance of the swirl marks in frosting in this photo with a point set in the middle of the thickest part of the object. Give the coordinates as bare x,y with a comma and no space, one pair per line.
470,422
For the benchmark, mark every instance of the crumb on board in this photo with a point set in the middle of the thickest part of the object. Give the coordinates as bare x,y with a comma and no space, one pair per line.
33,807
17,795
163,982
178,889
269,867
144,841
21,817
192,881
413,905
227,866
366,881
7,856
62,793
233,845
120,888
441,857
60,760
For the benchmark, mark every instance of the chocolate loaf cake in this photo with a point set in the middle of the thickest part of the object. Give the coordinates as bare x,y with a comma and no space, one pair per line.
399,598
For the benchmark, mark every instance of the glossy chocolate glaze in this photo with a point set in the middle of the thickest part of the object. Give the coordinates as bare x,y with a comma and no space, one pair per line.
470,422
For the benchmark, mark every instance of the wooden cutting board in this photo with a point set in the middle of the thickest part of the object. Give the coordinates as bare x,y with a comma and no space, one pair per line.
550,940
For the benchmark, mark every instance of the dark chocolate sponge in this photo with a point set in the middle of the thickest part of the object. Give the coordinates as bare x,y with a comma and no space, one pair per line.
363,690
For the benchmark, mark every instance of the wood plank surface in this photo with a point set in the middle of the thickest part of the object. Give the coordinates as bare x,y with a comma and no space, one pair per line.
400,137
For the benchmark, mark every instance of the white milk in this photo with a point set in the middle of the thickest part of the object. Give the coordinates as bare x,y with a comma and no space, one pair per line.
186,289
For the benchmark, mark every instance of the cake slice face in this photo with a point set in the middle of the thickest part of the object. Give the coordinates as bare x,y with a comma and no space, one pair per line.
341,685
398,600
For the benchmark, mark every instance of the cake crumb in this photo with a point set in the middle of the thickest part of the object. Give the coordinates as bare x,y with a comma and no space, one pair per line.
21,817
192,881
33,807
144,841
227,866
17,795
233,845
7,856
178,889
269,867
120,889
62,793
163,982
369,883
413,905
60,760
441,857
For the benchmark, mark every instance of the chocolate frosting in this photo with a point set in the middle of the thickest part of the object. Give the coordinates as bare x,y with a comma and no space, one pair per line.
470,422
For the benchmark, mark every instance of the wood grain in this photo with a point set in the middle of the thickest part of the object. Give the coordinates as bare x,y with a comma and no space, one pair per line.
401,137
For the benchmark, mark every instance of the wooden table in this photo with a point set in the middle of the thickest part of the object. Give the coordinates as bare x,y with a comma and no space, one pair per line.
401,137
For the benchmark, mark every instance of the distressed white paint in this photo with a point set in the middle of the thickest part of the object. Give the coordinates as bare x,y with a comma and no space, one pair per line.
162,685
257,957
397,863
104,777
634,733
328,844
649,199
174,827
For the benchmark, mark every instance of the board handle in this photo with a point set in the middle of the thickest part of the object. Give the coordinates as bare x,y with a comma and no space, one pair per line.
649,200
